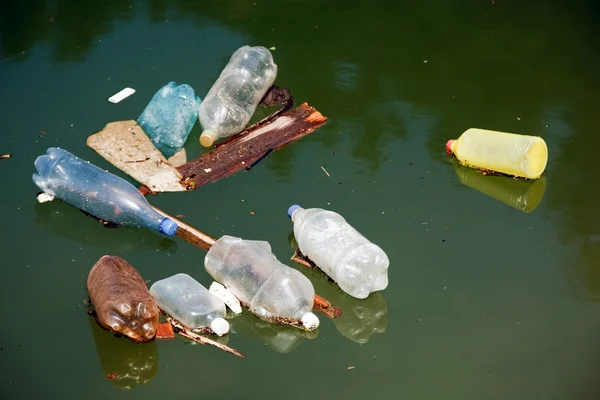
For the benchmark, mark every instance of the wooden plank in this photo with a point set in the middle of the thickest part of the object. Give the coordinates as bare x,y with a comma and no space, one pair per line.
243,151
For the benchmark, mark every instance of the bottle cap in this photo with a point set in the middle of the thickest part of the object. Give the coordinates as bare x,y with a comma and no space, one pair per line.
219,326
292,209
168,227
208,137
449,146
310,321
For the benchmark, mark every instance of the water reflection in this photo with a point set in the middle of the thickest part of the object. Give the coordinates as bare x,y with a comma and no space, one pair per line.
280,338
520,194
62,219
360,319
124,363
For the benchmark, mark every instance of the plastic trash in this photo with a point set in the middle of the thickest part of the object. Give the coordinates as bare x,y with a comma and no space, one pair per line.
186,300
233,98
358,266
121,95
121,300
97,192
170,116
271,290
519,194
508,153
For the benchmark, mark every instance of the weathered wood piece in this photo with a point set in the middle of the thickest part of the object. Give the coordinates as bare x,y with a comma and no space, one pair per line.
126,146
245,150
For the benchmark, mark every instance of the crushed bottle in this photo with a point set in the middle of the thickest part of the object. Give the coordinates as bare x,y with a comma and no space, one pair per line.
97,192
271,290
170,116
121,299
186,300
358,266
233,98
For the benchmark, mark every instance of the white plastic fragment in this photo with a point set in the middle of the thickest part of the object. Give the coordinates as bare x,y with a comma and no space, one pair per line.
219,326
223,294
44,197
310,321
121,95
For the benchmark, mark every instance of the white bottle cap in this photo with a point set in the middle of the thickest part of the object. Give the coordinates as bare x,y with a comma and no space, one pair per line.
310,321
219,326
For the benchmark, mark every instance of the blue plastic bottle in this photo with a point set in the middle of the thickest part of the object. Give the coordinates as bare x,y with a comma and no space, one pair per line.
97,192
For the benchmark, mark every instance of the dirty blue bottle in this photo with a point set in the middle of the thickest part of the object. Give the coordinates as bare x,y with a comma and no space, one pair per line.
97,192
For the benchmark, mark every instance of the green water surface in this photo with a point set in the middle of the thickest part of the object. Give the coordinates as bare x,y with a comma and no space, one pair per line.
485,301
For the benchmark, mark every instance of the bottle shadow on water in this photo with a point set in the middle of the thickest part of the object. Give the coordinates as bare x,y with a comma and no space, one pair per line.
360,319
67,221
520,194
280,338
124,363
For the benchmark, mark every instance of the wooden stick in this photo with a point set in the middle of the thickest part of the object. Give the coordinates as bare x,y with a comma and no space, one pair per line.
5,156
205,242
185,332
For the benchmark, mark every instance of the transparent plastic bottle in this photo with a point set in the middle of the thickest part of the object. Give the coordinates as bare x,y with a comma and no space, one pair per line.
508,153
253,274
170,116
358,266
97,192
233,98
186,300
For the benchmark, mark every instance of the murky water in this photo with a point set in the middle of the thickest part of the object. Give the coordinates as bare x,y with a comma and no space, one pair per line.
494,285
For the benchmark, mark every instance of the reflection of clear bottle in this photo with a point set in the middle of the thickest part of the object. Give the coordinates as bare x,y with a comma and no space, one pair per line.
508,153
186,300
280,338
358,266
361,318
253,274
233,98
124,363
97,192
518,193
63,220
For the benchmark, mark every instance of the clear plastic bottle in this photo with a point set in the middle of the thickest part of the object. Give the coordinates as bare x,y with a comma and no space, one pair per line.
186,300
358,266
233,98
253,274
170,116
508,153
97,192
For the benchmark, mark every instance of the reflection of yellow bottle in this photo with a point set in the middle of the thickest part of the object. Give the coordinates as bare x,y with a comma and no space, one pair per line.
517,193
508,153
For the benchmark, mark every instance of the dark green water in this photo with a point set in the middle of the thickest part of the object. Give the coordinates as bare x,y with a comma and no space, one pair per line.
484,302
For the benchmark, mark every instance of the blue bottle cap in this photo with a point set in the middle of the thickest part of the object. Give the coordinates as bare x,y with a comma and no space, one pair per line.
168,227
292,209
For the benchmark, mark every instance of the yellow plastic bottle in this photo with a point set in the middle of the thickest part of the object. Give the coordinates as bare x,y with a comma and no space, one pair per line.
520,194
508,153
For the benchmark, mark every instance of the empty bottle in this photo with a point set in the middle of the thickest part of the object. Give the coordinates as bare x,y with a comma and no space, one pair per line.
97,192
508,153
170,116
270,289
233,98
186,300
358,266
